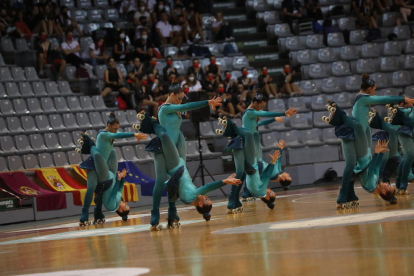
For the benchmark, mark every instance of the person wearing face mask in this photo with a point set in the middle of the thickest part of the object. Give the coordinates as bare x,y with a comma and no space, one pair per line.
121,49
288,88
127,6
71,50
229,84
63,22
96,52
182,29
141,12
171,78
228,107
165,32
196,69
47,55
143,25
159,9
192,82
135,71
210,84
214,68
145,97
150,67
222,30
246,81
168,68
265,83
143,47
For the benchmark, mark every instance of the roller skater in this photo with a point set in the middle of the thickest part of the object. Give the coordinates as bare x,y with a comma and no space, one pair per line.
101,169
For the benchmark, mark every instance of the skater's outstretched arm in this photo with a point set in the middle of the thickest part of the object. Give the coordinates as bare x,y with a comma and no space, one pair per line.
120,135
172,108
369,178
372,100
251,113
269,121
203,190
406,111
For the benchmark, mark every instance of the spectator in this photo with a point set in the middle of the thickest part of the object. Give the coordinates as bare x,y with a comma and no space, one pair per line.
186,89
171,78
182,29
150,68
169,68
368,14
165,32
227,108
96,52
114,81
246,81
143,47
287,87
127,6
265,83
22,27
64,23
313,9
121,49
159,9
214,68
222,30
382,5
48,55
143,25
192,82
404,9
156,87
195,22
196,70
229,84
48,17
71,49
355,7
242,98
210,84
145,97
176,12
141,12
35,21
292,10
136,70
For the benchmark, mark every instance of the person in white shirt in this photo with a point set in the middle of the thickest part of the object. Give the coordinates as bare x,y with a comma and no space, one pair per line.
71,49
182,29
96,52
142,11
127,6
222,30
192,82
165,32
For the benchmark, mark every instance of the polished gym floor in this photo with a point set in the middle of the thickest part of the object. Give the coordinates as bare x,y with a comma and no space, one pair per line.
303,235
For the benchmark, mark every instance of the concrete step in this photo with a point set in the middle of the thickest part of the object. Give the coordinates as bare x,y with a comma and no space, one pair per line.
251,36
261,50
244,31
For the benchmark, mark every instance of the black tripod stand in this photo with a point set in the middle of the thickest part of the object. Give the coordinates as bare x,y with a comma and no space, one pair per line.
201,168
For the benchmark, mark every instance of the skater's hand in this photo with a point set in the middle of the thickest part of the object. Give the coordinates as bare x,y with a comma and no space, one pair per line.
279,119
291,111
216,101
281,144
409,101
274,156
122,174
381,147
232,181
140,136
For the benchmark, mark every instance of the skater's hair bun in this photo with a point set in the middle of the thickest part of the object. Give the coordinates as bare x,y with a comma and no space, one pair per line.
367,82
258,97
271,200
285,183
365,76
207,216
112,119
205,210
175,88
389,196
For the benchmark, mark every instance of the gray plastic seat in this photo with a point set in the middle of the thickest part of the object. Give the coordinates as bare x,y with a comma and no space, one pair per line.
39,89
26,89
101,3
79,15
301,121
31,74
65,140
327,55
30,162
144,156
318,71
293,139
392,48
206,151
129,153
311,87
34,106
86,103
3,165
22,144
111,14
13,124
269,141
119,154
132,117
403,32
7,45
365,66
61,105
83,120
349,52
98,103
409,91
312,137
64,88
74,158
317,119
15,163
381,80
6,107
3,128
329,137
280,127
2,91
295,43
389,19
74,104
206,130
47,105
401,78
298,103
306,57
344,100
192,152
358,36
60,159
370,50
5,74
239,62
314,41
69,121
17,74
28,124
45,160
282,30
347,23
51,141
70,73
335,40
20,106
2,63
21,45
56,122
52,88
277,105
389,92
96,120
42,123
409,46
389,64
333,85
100,71
12,90
341,68
7,145
37,143
95,15
318,102
409,62
353,83
121,116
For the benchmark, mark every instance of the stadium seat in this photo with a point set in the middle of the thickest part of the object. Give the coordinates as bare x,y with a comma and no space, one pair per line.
301,121
13,125
79,15
280,127
311,87
389,92
96,120
74,104
74,158
403,32
327,55
401,78
47,105
60,159
30,162
370,50
353,83
56,122
22,144
318,71
318,102
295,43
39,89
7,145
389,19
409,46
69,121
51,141
28,124
269,140
6,107
52,88
5,74
307,57
15,163
37,143
347,23
83,3
298,103
99,104
121,116
335,40
2,63
34,108
61,104
144,156
314,41
389,64
129,153
344,100
341,68
282,30
101,3
206,130
12,90
239,62
358,36
45,160
31,74
2,91
111,14
86,103
366,66
392,48
26,89
381,80
3,165
276,105
312,137
64,88
42,123
293,139
329,136
20,106
409,62
83,120
349,52
333,85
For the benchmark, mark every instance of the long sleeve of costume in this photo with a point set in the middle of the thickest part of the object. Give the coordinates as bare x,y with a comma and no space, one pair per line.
266,122
278,164
372,100
172,108
118,135
203,190
266,114
406,111
369,179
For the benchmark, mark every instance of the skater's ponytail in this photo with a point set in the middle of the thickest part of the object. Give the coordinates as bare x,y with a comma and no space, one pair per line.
285,184
112,119
367,82
125,211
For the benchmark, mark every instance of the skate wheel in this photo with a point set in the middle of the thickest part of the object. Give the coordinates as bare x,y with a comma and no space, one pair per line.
140,116
156,227
240,209
224,123
219,131
77,150
136,126
394,111
80,142
244,200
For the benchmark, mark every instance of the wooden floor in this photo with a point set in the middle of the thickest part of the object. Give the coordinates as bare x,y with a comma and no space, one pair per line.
303,235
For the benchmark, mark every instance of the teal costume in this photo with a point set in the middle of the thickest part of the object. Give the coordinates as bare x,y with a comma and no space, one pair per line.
101,171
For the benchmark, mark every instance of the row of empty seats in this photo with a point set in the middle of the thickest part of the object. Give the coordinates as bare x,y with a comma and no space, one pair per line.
18,74
38,89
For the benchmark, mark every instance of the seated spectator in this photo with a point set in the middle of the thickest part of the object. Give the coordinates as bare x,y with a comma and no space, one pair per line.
292,10
143,47
47,55
143,25
95,54
22,28
313,9
135,71
368,14
177,11
35,22
186,89
49,18
210,83
150,67
121,49
159,9
214,68
227,108
114,81
229,84
355,7
126,7
287,87
405,10
141,12
192,82
265,83
157,88
145,97
243,79
171,78
182,29
170,68
222,30
242,98
382,5
165,32
71,50
196,70
195,22
64,23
